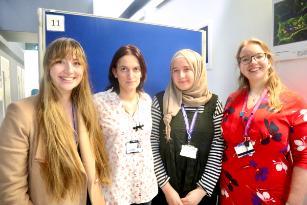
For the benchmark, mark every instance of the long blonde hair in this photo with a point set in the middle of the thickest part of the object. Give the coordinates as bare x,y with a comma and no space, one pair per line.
62,168
274,84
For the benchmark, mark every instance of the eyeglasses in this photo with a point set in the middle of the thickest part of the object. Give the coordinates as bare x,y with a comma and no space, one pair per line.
245,60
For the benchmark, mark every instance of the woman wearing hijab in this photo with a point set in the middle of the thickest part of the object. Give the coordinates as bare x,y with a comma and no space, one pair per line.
186,135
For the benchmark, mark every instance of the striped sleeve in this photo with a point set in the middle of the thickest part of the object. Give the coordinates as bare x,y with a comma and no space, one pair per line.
213,167
159,168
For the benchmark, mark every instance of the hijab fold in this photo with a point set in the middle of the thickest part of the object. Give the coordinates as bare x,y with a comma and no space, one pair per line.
196,96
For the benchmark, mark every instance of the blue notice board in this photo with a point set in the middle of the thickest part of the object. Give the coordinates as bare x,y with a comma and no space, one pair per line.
101,37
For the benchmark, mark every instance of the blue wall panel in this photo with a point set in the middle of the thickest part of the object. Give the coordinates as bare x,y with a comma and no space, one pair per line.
101,37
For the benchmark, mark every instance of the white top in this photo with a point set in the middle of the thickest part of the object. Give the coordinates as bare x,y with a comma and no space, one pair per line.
132,175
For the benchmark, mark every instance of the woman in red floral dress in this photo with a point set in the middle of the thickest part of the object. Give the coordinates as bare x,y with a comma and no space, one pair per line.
265,133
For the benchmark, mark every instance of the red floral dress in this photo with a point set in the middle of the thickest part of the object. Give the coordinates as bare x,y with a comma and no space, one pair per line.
264,177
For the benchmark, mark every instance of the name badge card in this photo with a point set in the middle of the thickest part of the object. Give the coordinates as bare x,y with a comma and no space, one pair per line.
188,151
133,146
245,148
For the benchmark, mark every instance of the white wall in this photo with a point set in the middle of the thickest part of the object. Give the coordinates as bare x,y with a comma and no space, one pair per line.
21,16
294,75
231,22
10,63
31,77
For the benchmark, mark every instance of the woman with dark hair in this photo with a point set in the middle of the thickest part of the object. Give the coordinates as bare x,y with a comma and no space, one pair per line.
50,144
125,116
265,131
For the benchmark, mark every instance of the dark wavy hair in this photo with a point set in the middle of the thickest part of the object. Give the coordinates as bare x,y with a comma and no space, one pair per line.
122,51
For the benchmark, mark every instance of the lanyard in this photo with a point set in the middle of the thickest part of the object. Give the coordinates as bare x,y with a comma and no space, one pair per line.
251,116
189,128
75,124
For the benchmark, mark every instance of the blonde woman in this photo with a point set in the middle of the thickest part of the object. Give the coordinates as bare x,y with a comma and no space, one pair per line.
186,136
50,144
265,131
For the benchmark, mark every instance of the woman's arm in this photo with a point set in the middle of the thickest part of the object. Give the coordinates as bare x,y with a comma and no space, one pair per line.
171,195
212,171
160,171
214,164
194,196
298,188
14,149
298,143
298,147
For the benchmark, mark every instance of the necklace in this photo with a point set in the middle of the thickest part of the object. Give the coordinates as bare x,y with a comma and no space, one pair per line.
251,116
130,107
254,98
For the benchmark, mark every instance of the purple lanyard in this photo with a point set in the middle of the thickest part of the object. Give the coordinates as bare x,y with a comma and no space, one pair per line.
189,128
251,116
75,124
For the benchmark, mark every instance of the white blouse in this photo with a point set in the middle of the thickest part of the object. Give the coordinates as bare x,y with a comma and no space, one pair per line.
132,175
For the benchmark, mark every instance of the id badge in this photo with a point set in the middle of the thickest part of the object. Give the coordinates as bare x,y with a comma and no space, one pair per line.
133,146
188,151
245,148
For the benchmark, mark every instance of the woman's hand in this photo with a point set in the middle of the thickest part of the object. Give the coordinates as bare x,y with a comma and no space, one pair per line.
194,196
172,197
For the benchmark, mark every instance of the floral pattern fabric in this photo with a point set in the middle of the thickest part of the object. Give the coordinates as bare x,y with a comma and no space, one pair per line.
280,142
132,175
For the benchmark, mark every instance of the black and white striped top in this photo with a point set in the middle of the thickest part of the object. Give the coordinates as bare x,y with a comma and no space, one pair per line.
213,167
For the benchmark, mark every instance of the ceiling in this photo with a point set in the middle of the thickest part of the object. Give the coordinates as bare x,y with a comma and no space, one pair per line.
135,9
130,9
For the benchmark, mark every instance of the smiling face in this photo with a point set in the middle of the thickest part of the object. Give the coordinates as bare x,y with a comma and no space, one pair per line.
257,69
66,74
128,73
182,74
